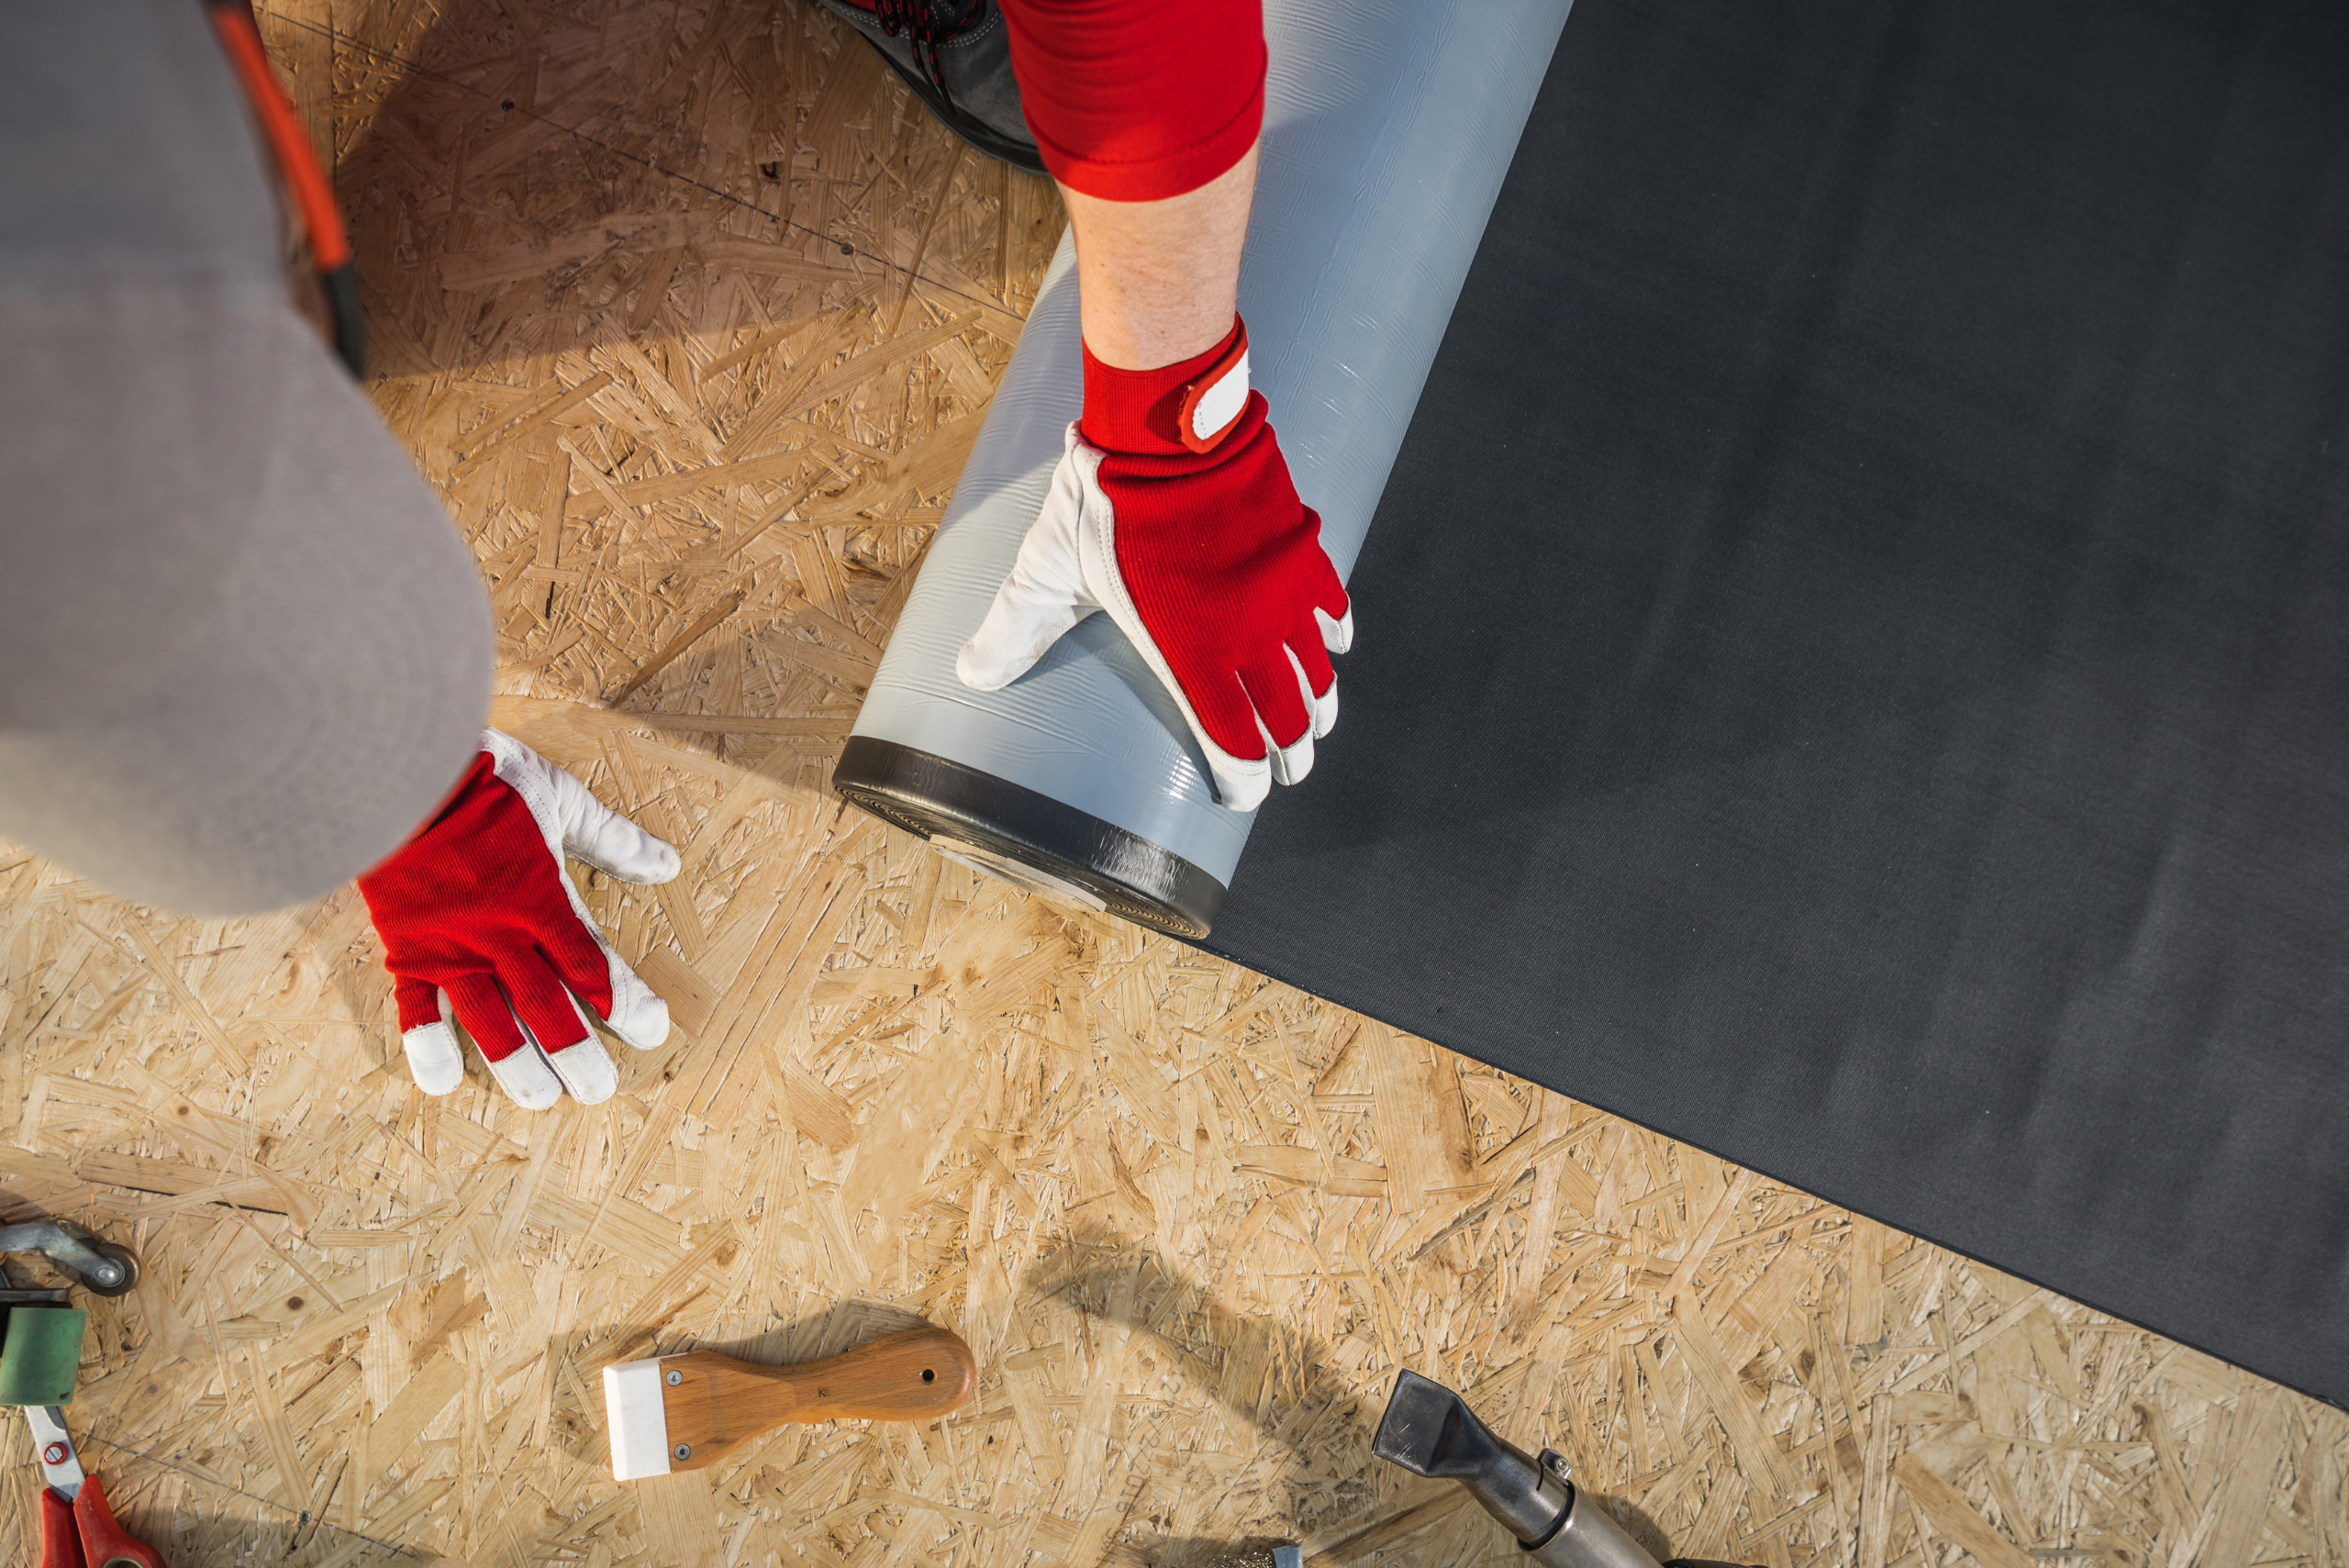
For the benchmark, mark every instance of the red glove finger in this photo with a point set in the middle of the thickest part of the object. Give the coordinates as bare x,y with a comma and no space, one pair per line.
1273,692
417,1001
480,1007
577,962
1333,611
1313,656
540,1000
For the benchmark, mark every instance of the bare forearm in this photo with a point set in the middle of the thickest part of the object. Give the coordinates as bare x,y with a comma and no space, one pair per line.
1161,279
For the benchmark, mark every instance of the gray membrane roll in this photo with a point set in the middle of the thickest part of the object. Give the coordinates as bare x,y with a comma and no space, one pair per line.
1389,128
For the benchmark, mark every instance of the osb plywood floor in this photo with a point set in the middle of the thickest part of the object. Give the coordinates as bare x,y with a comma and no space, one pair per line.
691,313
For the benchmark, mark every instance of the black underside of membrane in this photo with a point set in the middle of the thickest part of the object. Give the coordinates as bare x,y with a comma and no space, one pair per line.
1854,668
938,798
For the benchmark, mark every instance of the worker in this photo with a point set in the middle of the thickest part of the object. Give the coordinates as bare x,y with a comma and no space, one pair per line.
248,656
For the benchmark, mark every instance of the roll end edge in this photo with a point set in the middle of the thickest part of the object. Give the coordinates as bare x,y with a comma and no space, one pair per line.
1030,839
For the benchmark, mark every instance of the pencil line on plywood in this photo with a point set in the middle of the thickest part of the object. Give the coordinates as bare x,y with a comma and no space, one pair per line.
848,248
307,1516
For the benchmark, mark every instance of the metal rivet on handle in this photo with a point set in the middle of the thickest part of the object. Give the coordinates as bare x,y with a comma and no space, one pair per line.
684,1450
675,1378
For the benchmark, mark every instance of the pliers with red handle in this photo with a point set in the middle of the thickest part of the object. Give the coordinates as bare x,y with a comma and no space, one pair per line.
77,1528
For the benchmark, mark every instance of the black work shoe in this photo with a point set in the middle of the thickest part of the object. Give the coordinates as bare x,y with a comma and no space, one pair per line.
962,72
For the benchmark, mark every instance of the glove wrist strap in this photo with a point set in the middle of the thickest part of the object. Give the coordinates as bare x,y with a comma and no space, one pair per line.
1189,405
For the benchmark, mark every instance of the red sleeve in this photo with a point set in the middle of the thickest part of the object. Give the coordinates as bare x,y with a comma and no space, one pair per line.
1138,100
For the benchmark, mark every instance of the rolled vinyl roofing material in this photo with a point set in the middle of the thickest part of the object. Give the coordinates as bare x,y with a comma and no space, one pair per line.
1389,128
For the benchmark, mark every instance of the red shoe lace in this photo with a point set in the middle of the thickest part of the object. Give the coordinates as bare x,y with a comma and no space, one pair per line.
921,28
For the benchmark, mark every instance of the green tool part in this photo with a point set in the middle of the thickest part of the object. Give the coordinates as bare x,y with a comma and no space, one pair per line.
40,1350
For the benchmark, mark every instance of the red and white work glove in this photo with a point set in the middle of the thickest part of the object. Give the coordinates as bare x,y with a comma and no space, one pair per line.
1173,510
480,919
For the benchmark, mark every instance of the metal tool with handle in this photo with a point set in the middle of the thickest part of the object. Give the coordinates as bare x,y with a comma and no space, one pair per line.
105,1268
77,1527
1429,1430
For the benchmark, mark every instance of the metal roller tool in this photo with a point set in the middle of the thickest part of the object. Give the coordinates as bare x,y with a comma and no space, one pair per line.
105,1268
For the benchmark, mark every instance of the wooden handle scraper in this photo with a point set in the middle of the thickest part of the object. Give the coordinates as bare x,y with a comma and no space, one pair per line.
682,1412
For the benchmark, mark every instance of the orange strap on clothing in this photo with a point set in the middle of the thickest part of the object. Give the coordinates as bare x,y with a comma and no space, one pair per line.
297,162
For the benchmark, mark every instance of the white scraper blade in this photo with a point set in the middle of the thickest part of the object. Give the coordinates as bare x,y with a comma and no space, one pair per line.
635,1419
